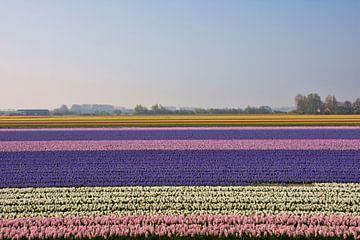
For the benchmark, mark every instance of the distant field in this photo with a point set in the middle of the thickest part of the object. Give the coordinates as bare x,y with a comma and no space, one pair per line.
174,120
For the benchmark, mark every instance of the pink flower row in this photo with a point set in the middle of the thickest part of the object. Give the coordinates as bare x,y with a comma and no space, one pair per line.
208,225
110,145
183,128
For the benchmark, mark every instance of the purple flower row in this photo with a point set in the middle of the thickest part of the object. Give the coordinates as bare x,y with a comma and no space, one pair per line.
181,133
176,168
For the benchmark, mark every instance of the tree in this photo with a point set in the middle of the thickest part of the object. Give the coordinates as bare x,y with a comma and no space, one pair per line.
160,109
344,108
200,111
265,110
356,106
348,107
330,104
250,110
139,109
300,103
156,108
63,110
313,104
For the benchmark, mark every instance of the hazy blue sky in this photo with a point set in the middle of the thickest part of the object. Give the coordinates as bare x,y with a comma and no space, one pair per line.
183,53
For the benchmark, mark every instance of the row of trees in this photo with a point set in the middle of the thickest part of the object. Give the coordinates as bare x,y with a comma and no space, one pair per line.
159,109
97,109
86,109
312,104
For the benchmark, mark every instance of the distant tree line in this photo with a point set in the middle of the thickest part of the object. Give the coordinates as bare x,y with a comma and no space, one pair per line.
312,104
101,110
159,109
87,109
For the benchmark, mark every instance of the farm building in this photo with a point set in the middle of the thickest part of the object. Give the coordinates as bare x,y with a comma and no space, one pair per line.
33,112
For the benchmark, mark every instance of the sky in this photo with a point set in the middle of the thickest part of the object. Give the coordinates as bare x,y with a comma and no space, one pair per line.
201,53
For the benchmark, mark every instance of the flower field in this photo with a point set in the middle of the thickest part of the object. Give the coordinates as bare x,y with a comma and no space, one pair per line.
179,120
177,182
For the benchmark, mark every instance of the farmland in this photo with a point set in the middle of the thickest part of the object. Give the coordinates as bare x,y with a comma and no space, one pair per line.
232,176
174,120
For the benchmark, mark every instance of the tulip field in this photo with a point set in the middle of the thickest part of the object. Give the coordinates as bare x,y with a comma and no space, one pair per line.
73,178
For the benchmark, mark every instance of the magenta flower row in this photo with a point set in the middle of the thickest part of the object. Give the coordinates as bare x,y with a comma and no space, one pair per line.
183,128
205,225
111,145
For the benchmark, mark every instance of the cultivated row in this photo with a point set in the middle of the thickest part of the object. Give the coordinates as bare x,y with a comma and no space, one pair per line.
181,133
116,145
317,199
176,168
168,226
176,121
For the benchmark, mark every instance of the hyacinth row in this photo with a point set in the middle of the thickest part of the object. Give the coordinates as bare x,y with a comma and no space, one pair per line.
116,145
169,226
319,199
187,128
177,168
191,133
176,121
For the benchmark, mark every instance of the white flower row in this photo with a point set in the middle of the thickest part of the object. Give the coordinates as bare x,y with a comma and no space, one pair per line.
317,199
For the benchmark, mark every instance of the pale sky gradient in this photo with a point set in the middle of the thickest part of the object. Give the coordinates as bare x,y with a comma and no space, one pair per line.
182,53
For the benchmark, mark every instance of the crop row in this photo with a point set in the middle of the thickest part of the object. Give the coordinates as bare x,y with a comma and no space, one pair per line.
228,120
243,144
176,168
168,226
180,133
320,199
2,130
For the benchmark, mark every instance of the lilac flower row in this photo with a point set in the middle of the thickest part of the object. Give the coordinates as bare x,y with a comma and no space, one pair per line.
112,145
177,168
179,134
200,225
